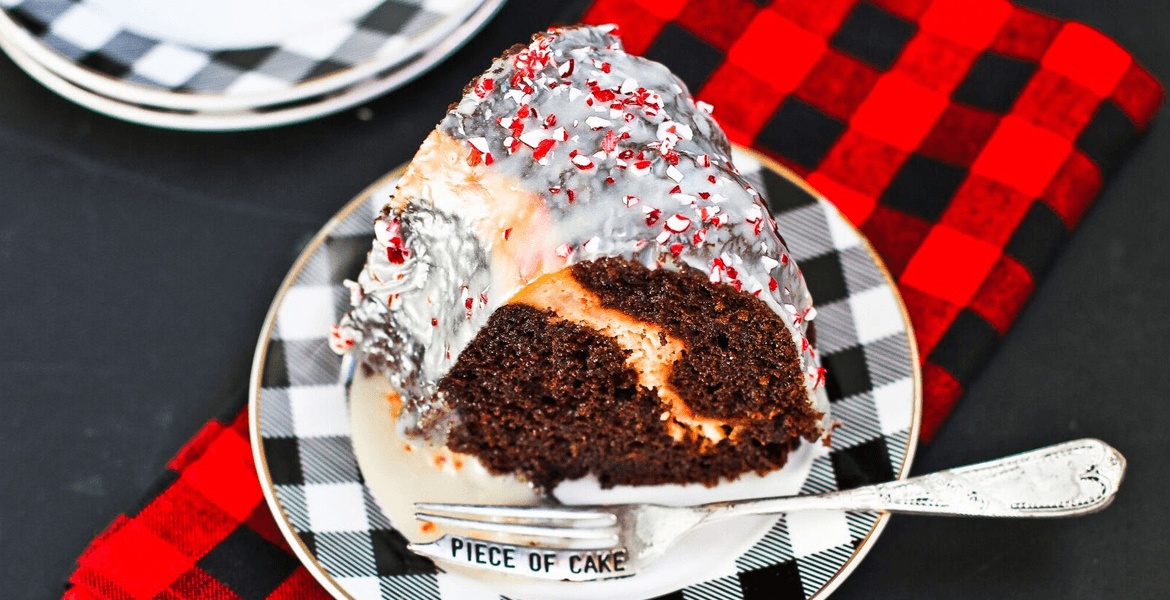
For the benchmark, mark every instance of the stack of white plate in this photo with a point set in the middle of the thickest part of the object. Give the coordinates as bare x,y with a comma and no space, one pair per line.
217,65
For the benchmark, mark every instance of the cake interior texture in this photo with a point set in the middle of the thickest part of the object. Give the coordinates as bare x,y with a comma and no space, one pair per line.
633,375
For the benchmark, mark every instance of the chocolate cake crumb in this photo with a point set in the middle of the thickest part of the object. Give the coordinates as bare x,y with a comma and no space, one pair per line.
552,400
739,362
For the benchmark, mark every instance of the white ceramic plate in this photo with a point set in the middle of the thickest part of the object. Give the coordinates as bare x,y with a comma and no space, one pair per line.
243,120
229,56
342,486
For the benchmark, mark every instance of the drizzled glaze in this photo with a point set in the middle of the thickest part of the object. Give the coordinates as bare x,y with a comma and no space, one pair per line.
566,150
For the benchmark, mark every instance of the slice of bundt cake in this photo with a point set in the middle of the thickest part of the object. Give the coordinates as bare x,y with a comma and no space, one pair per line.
572,279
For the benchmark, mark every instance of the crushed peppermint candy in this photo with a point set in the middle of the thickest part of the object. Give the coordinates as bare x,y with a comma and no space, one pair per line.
339,340
580,161
484,86
596,123
678,223
542,149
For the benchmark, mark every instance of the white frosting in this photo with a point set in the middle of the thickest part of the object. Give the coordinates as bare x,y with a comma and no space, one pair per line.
567,150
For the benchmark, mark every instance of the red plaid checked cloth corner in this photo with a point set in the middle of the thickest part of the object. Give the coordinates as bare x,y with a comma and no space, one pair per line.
204,532
964,137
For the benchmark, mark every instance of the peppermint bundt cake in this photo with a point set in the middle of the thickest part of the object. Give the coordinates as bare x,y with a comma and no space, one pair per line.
573,279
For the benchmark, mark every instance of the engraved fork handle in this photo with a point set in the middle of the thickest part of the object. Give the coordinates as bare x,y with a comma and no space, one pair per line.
1069,479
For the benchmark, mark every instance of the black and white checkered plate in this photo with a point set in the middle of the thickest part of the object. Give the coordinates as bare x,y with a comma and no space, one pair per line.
81,42
302,437
258,117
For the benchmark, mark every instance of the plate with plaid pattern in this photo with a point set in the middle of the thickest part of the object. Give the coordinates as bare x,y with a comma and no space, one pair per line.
304,440
303,110
223,55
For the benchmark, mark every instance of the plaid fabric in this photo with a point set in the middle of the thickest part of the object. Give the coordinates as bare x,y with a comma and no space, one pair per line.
204,532
84,34
965,138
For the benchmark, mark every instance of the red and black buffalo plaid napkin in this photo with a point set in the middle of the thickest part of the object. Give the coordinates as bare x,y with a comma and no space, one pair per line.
964,137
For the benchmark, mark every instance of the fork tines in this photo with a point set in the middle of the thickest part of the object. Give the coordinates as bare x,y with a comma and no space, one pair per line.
582,525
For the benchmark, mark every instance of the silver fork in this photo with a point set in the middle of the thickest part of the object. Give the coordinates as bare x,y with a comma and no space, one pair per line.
588,543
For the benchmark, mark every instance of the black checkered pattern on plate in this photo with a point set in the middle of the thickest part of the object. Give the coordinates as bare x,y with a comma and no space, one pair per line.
860,333
84,35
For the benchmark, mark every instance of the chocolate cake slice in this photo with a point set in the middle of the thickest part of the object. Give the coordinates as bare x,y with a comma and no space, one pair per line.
572,279
669,378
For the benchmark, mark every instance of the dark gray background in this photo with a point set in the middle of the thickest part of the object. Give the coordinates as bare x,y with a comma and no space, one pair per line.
136,266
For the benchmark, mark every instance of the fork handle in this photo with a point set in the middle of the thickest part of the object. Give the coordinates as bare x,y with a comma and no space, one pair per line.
1064,480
